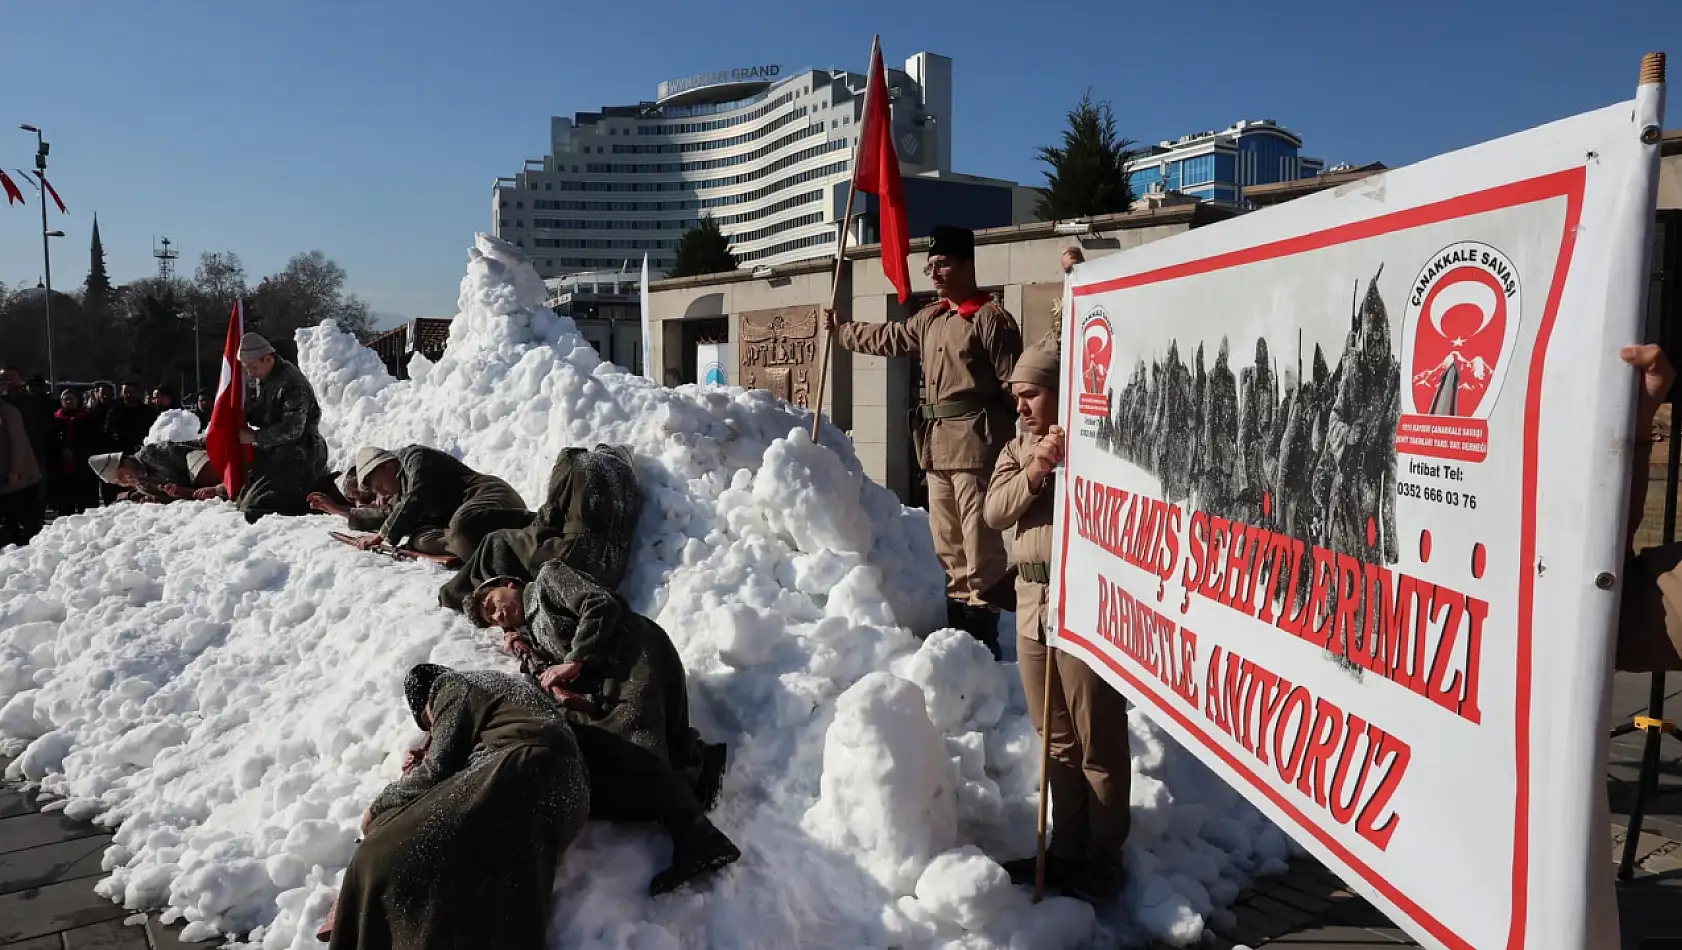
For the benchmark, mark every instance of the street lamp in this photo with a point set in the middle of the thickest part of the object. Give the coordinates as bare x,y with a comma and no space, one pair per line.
41,149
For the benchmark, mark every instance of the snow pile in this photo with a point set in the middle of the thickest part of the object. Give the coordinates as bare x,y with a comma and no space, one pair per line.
175,425
229,694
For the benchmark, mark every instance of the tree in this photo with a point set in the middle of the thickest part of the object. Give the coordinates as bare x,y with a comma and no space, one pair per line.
703,250
309,290
1088,174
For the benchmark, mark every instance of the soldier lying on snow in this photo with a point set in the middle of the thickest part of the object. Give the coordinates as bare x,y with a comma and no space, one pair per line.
612,667
436,503
462,850
587,521
160,472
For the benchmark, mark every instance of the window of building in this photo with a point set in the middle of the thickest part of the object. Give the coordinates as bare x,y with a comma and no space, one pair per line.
575,169
502,223
519,224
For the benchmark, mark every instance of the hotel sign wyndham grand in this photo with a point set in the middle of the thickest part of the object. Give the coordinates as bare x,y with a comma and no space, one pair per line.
740,74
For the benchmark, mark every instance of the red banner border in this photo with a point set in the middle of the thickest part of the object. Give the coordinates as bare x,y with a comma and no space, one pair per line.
1568,184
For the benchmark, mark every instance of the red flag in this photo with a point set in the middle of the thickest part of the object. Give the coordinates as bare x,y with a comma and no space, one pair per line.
52,191
877,173
13,195
227,417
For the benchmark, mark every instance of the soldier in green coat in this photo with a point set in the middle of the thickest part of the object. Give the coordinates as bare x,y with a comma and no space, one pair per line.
588,519
283,424
437,504
461,851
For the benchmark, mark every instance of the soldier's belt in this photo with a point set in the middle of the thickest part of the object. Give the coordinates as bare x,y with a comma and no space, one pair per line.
953,409
1034,572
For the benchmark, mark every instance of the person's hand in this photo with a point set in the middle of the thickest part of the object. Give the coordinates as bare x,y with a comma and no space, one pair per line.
1048,454
367,542
320,502
555,680
830,321
414,756
1656,376
247,437
515,644
178,492
208,494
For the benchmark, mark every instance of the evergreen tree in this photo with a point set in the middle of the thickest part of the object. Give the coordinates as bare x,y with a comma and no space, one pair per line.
97,295
1088,173
703,250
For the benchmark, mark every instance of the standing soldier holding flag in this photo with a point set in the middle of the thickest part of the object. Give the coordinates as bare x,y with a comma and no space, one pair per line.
968,345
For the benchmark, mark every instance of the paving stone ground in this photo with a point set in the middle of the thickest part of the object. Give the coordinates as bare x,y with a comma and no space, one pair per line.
49,865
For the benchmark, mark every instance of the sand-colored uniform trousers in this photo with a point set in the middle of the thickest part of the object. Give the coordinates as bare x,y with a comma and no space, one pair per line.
967,350
1091,772
972,553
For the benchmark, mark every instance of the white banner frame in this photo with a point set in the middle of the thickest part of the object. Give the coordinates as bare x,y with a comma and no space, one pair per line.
1596,173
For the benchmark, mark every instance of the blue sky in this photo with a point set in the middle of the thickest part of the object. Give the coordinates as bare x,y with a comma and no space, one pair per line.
372,130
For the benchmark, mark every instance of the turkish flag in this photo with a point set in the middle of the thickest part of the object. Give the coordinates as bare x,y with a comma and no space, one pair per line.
227,417
877,173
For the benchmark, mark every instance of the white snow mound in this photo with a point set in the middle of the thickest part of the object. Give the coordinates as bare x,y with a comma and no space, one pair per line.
228,696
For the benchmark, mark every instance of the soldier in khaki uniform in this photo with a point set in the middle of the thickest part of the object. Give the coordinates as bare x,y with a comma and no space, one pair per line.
968,345
1090,773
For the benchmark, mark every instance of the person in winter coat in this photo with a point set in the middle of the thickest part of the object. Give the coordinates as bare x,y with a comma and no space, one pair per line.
74,441
129,421
616,668
283,423
37,416
159,473
588,519
438,505
460,853
19,474
1090,774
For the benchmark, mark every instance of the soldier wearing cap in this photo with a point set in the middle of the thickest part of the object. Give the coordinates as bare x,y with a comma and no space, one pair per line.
968,345
159,472
283,423
436,503
1089,770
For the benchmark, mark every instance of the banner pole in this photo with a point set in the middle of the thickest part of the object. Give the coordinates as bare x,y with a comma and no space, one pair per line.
1045,770
841,245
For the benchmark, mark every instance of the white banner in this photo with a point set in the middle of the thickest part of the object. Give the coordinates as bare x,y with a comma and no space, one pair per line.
1342,506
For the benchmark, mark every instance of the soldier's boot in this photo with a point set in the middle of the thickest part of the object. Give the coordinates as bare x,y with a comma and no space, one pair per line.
982,623
700,850
1096,881
710,782
1058,871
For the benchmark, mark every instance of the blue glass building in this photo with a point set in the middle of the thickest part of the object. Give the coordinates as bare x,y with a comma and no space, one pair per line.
1216,166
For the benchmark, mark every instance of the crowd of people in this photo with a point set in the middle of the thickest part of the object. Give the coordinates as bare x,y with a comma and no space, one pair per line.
46,443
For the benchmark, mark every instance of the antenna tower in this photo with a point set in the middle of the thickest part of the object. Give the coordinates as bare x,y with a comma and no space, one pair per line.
166,256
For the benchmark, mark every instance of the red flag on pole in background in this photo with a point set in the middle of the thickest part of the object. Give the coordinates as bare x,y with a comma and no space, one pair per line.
52,191
13,195
877,172
227,417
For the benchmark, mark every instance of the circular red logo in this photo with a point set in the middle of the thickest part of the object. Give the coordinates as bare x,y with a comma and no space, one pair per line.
1096,345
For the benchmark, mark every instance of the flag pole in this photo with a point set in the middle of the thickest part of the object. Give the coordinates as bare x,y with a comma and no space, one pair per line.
841,245
1045,769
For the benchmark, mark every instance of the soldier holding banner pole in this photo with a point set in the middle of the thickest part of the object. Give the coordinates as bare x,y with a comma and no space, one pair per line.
1086,765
